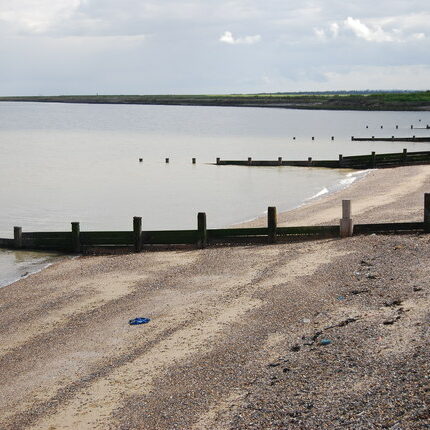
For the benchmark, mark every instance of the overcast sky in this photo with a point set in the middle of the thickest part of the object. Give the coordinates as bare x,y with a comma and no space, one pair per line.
212,46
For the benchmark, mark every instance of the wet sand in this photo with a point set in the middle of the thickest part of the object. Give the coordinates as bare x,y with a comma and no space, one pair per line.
235,334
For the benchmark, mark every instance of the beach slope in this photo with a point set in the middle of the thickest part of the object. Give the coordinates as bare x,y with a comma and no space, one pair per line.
329,334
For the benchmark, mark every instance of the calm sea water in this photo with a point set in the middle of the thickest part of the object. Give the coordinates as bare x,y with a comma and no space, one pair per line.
61,163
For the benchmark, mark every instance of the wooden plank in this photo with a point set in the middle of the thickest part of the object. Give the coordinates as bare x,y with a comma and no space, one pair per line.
309,230
170,237
47,235
231,232
6,243
386,227
107,238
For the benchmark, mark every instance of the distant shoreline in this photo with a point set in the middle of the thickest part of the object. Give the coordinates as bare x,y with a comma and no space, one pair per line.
414,101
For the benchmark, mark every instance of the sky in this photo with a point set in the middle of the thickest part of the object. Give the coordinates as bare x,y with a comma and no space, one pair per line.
53,47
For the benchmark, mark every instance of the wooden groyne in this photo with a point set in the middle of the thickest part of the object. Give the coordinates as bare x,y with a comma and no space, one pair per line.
77,241
391,139
370,161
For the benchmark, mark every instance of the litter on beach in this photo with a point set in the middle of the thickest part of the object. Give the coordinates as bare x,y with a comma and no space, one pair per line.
138,321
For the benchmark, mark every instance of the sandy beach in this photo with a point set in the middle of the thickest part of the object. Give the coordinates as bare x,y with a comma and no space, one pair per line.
329,334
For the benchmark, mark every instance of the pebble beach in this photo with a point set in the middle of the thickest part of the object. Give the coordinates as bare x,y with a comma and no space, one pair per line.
327,334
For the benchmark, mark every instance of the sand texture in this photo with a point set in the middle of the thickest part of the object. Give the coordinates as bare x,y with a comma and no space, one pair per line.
236,337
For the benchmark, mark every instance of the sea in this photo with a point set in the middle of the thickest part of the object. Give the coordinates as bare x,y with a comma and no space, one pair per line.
61,163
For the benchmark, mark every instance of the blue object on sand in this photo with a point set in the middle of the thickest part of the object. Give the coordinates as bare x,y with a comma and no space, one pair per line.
138,321
325,342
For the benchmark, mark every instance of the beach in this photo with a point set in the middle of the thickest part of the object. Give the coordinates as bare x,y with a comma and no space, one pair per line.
328,334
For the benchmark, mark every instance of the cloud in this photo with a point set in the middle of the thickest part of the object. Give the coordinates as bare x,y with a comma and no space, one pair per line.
227,37
361,30
37,16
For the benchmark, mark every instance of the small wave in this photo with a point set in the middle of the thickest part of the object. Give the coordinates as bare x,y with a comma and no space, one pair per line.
320,193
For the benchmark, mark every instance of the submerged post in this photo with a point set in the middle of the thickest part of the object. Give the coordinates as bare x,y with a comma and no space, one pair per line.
332,138
193,161
272,221
427,212
202,230
17,237
167,161
140,160
137,233
279,161
249,161
309,161
76,237
346,225
218,160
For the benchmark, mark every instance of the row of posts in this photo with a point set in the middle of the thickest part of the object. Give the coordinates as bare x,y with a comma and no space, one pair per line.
346,227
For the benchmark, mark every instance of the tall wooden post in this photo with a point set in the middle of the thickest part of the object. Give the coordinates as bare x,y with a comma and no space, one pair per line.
249,161
427,212
404,155
137,233
202,230
218,160
167,161
193,160
17,237
279,161
346,225
340,160
309,161
76,237
373,160
272,222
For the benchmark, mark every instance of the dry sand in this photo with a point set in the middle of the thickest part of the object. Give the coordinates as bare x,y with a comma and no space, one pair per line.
235,335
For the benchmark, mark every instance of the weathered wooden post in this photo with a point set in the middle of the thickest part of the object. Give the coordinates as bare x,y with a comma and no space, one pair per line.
412,127
309,161
313,137
392,137
373,159
218,160
373,137
193,160
202,230
76,237
427,212
272,222
279,161
340,160
413,137
352,138
140,160
404,155
397,127
249,161
167,161
332,138
346,225
17,237
382,126
137,233
294,138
